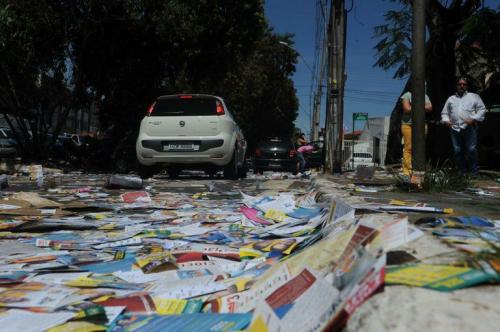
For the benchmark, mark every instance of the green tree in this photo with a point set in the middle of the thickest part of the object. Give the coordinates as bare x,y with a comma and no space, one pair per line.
478,53
34,86
131,51
261,92
187,47
58,55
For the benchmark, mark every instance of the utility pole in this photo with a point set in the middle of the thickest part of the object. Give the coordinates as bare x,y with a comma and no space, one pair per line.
341,75
335,81
320,67
418,90
329,96
316,111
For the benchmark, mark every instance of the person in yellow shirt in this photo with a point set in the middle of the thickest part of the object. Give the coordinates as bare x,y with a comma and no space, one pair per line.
406,129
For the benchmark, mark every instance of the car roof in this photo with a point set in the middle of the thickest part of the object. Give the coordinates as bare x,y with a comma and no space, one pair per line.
276,139
187,94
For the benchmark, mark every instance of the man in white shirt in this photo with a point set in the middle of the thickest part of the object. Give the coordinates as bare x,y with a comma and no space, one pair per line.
461,113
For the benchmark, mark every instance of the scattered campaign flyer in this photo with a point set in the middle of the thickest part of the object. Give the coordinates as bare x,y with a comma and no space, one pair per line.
36,295
27,321
181,323
438,277
206,257
304,303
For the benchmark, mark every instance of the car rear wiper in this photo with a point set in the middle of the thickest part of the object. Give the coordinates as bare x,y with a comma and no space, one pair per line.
169,113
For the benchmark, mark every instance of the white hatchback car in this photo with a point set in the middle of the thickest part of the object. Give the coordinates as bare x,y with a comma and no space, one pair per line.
191,131
363,159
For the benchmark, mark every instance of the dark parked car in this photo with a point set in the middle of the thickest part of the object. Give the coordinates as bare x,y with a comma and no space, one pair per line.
7,143
277,154
314,159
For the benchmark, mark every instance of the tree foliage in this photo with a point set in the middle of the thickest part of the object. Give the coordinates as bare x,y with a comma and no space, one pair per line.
394,47
478,50
32,65
473,27
262,93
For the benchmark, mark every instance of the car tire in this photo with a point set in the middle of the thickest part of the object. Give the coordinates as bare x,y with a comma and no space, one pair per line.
231,169
242,171
146,172
211,173
173,172
258,171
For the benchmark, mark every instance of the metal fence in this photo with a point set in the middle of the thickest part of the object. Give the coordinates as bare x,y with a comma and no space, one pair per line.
347,155
353,147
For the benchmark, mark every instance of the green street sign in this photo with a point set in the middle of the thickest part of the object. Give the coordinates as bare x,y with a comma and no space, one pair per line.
360,116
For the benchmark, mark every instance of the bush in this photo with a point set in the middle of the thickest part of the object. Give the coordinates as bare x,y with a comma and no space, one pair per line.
438,179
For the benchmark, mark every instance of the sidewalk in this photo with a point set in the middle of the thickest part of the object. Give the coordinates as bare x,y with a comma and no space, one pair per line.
407,308
486,203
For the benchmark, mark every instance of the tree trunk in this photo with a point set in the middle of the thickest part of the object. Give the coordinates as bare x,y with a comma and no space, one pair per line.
441,72
394,146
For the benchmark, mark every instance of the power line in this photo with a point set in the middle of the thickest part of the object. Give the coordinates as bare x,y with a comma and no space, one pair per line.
369,100
320,56
352,5
369,92
374,93
377,97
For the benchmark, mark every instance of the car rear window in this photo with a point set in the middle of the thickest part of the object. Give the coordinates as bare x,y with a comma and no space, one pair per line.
185,107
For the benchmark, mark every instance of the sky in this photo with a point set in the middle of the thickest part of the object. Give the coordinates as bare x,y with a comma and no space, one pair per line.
368,89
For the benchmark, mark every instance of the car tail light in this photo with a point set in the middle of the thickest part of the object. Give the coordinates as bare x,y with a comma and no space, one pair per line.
186,97
150,109
292,153
258,152
220,108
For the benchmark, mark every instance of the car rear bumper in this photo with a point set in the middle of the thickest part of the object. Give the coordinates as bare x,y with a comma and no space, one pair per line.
216,150
275,164
363,164
204,145
7,151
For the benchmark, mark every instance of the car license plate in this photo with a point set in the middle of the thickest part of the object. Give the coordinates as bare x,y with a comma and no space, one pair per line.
274,165
181,147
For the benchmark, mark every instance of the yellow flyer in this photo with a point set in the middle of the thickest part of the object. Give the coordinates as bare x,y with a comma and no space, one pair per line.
275,215
169,306
439,277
